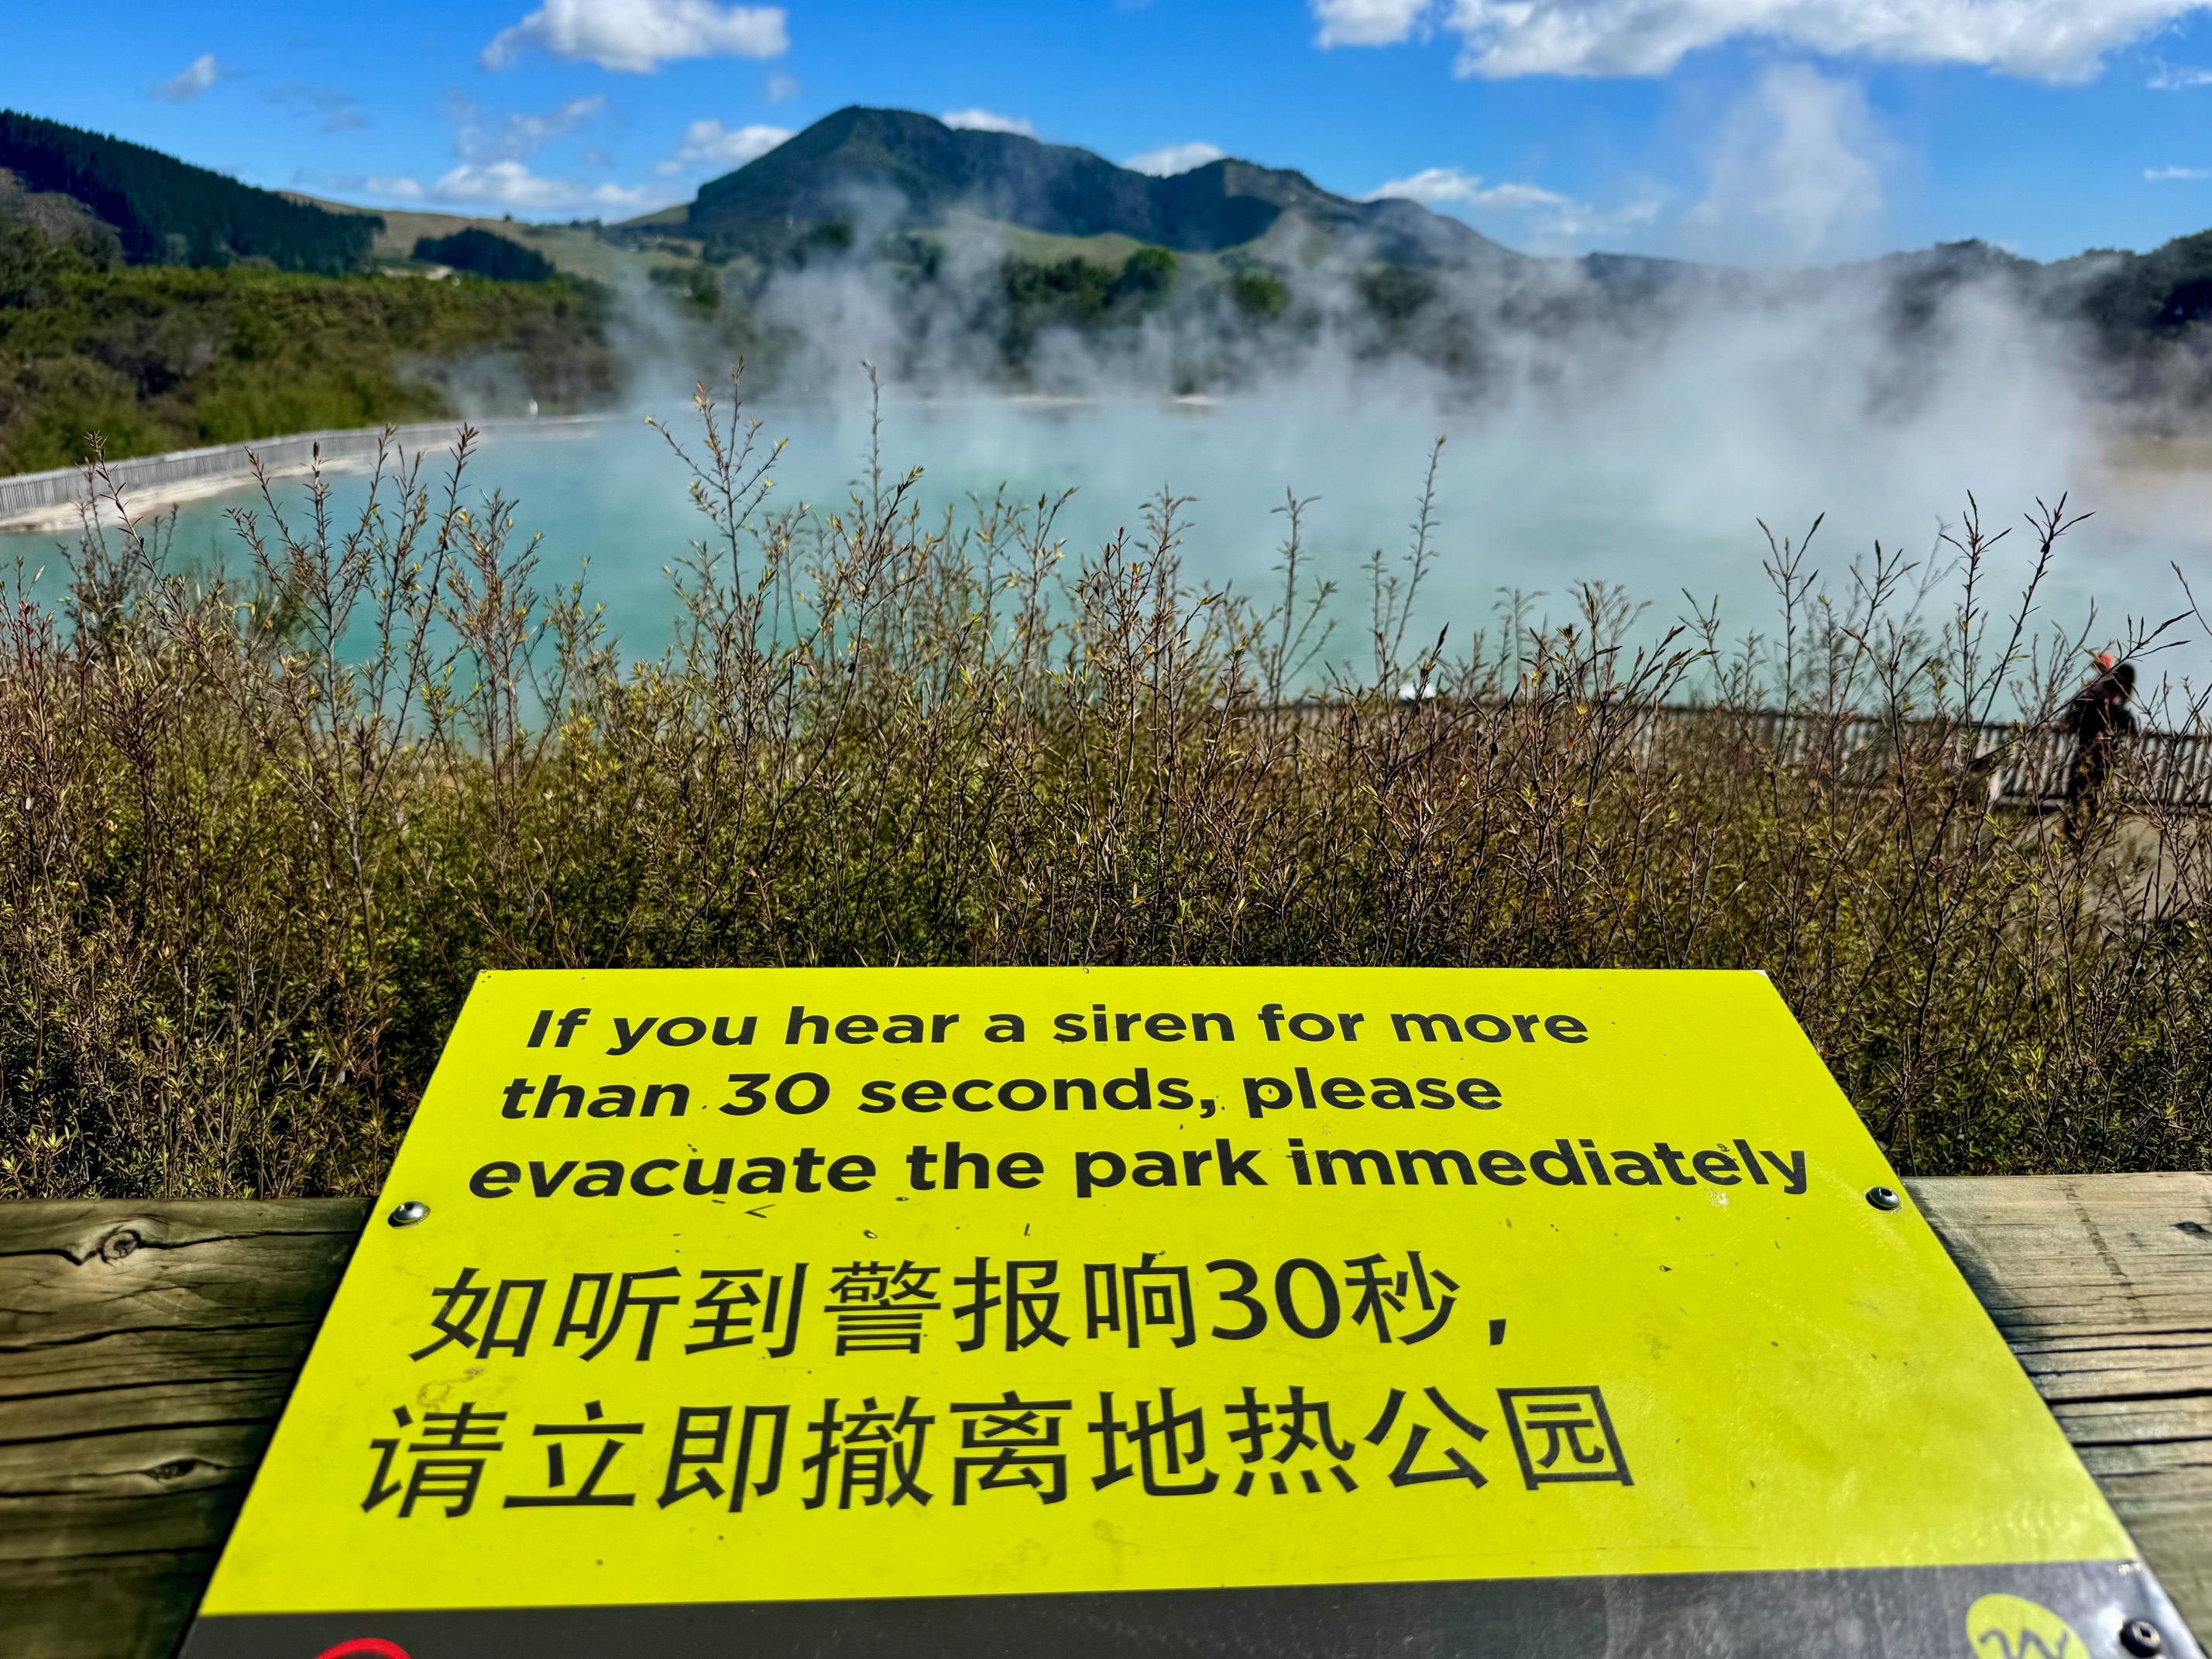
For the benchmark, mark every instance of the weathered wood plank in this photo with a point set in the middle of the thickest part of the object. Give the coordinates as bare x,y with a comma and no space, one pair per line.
2103,1286
145,1352
146,1349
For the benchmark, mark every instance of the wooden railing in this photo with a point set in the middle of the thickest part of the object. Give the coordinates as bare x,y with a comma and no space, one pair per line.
2024,765
146,1351
2018,764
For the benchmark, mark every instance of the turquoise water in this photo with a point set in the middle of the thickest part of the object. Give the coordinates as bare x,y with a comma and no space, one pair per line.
1649,488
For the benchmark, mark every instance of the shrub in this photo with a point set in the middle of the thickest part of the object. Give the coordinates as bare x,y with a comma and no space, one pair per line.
272,824
1259,294
1148,271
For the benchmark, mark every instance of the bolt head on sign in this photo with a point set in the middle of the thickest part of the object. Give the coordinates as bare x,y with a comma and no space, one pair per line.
1137,1311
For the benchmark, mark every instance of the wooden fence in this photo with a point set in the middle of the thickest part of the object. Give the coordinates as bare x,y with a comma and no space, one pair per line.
2023,765
2018,764
146,1350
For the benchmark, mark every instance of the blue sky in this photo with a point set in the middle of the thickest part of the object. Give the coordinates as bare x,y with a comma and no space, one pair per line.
1769,131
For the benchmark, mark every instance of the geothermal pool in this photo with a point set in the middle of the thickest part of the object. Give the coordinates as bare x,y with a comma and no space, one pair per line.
1654,490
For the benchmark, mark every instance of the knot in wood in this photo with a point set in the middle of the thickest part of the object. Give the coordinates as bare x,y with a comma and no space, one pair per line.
175,1469
120,1245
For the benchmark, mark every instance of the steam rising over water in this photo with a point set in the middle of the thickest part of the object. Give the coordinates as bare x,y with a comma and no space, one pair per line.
1633,432
1651,488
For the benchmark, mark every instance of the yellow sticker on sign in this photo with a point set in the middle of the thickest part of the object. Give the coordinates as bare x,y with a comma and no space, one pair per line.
825,1295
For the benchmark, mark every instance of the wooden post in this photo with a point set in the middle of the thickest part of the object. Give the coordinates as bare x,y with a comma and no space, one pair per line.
145,1352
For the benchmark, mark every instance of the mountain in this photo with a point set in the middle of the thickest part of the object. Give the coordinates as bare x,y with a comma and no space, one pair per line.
137,295
893,171
873,181
164,211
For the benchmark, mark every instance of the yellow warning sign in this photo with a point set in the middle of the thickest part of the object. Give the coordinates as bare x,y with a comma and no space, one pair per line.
756,1287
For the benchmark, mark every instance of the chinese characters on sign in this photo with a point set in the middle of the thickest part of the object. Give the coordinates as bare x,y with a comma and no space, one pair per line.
877,1450
873,1451
884,1307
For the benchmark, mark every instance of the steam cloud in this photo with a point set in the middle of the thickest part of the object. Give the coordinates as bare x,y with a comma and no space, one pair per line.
1633,428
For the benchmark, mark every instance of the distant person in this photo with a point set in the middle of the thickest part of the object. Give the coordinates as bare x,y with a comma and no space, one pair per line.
2099,718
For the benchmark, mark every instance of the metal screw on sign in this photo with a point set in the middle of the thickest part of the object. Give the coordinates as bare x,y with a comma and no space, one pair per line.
2141,1638
1883,1198
409,1213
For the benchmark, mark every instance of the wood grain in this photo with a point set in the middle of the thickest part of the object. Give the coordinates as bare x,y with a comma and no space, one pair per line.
2102,1284
146,1350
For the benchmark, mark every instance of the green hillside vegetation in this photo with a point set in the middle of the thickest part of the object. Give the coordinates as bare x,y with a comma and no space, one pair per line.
64,218
158,357
1079,293
169,212
483,255
583,249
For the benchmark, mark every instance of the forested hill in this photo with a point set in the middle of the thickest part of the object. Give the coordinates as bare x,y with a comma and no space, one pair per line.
911,171
165,211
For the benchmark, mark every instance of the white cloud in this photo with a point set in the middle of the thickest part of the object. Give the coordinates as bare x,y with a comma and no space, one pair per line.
1368,22
2161,175
2041,40
2178,77
1795,166
1547,222
709,143
1579,225
512,185
1166,162
495,148
190,81
984,121
638,36
1434,186
780,87
481,135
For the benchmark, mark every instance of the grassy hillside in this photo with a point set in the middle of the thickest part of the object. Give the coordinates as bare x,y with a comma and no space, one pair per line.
580,250
158,357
